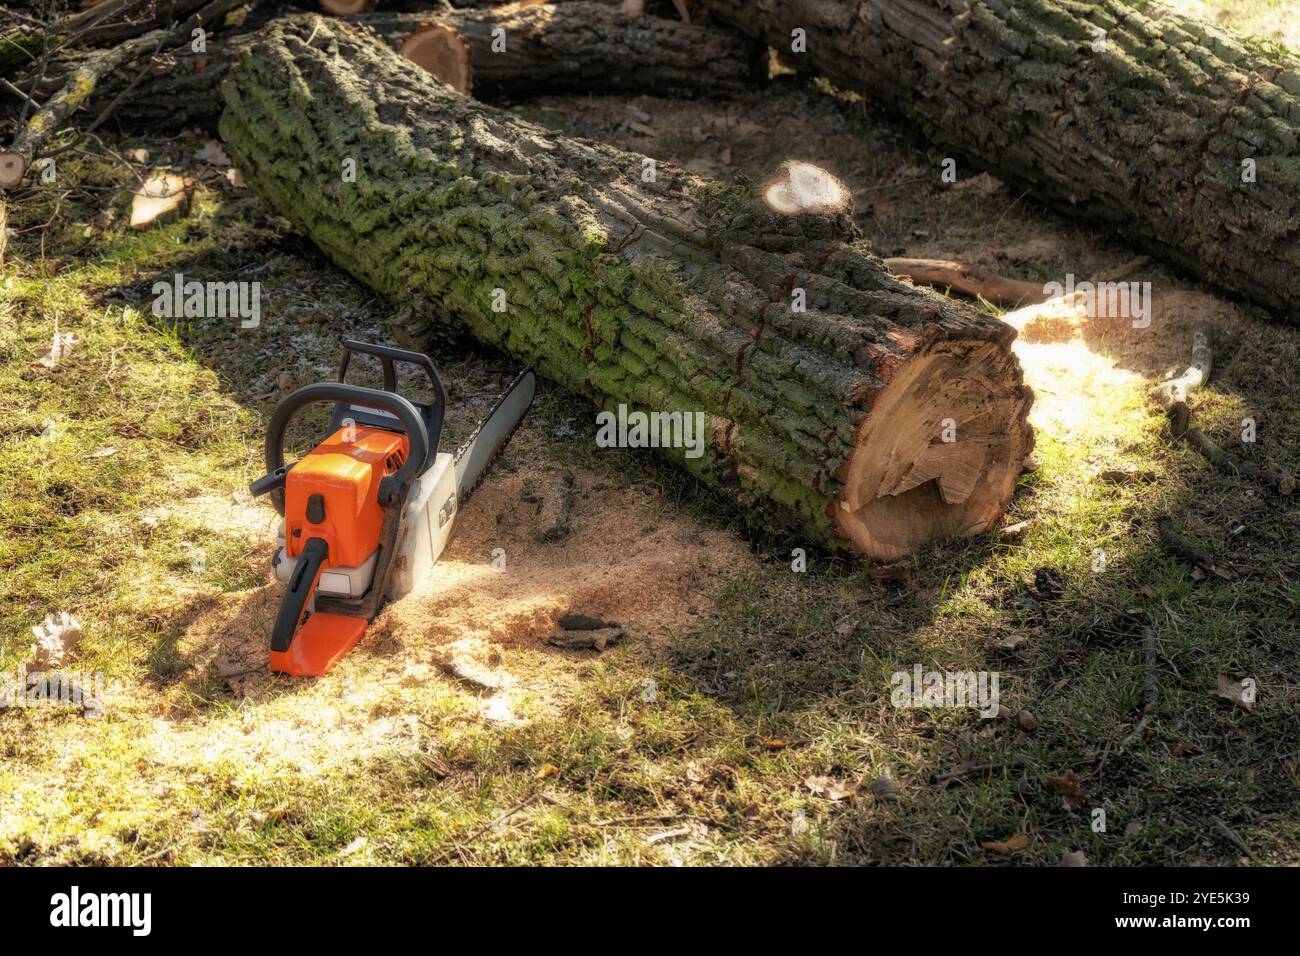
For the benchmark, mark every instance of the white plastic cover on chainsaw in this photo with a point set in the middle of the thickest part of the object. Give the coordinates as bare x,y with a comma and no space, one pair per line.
426,525
347,582
425,528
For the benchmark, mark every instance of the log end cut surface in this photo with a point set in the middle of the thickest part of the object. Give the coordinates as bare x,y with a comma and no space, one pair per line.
443,52
940,452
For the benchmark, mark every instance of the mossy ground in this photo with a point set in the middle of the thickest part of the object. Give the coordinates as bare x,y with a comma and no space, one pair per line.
786,679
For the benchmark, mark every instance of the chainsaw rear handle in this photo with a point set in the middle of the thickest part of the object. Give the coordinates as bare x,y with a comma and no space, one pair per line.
394,485
387,356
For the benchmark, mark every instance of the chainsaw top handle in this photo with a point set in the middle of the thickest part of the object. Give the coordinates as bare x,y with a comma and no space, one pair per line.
392,487
388,356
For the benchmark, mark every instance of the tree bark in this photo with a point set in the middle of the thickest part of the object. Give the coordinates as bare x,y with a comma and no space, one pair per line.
570,47
1126,113
635,283
584,46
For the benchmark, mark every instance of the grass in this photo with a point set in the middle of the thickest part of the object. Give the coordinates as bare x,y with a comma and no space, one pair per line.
695,749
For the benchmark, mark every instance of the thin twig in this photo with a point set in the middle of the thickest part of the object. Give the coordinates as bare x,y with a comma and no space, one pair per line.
456,844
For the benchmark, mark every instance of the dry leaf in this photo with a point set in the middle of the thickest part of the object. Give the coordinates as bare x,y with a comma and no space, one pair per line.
1242,694
236,178
828,788
61,346
1068,786
212,154
56,638
1010,845
546,770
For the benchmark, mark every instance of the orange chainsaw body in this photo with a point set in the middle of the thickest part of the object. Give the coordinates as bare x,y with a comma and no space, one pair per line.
346,476
333,494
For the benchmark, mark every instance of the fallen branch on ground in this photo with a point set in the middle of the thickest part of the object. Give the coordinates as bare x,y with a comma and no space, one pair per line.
1179,547
81,84
977,282
968,280
1174,395
1268,474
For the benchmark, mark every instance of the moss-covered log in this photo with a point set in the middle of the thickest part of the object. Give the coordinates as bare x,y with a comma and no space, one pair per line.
578,46
1182,138
839,403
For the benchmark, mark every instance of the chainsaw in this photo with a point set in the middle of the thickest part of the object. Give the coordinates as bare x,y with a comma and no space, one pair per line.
368,511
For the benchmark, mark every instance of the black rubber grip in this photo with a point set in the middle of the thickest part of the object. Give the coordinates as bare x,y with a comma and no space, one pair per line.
313,555
387,355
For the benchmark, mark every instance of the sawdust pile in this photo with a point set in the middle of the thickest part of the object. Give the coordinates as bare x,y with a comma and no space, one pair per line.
628,557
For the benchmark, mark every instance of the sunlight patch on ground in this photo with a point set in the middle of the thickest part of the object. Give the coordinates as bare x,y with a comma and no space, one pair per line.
1077,391
1082,396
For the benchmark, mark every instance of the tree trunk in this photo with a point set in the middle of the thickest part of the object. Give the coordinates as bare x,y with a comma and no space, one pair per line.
572,47
1127,113
586,47
827,387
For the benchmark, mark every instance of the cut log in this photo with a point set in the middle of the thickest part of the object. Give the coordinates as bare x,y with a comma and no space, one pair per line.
441,50
586,47
1154,123
645,289
574,47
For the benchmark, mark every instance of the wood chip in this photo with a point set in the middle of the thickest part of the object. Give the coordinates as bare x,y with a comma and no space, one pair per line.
158,197
595,640
1235,692
61,347
1007,846
884,789
56,639
1014,532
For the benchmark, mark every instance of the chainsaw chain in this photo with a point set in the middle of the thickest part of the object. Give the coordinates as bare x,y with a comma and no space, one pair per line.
468,443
